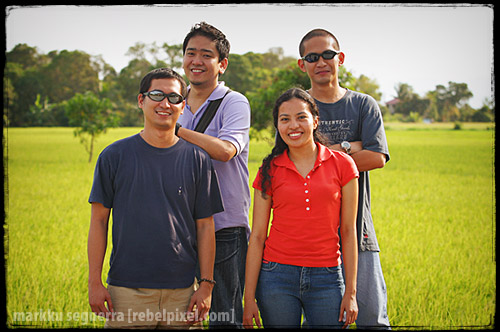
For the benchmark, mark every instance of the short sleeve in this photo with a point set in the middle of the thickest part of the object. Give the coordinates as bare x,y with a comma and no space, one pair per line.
235,120
349,169
102,188
208,196
257,183
373,133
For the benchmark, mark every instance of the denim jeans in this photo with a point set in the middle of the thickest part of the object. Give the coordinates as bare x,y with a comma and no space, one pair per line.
284,291
371,292
229,273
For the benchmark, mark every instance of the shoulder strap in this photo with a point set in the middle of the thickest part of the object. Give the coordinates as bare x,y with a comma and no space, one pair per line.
209,114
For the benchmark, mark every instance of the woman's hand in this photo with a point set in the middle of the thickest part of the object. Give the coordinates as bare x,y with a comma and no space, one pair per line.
349,306
251,312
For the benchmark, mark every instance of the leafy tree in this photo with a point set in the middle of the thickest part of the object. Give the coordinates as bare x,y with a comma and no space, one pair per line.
367,85
21,88
69,73
262,99
449,99
174,55
26,56
411,105
91,116
245,72
485,114
40,112
127,86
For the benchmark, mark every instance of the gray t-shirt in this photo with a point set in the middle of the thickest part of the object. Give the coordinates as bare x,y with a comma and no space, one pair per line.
156,196
357,117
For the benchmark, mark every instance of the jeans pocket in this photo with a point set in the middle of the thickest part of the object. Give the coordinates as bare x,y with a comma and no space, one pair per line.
335,271
268,266
335,275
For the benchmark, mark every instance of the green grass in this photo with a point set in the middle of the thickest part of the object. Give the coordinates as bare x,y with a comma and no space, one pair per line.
433,206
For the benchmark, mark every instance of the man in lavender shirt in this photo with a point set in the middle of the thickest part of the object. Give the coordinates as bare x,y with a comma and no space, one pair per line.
226,140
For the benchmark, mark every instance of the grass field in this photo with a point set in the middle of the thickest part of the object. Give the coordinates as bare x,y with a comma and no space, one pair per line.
433,204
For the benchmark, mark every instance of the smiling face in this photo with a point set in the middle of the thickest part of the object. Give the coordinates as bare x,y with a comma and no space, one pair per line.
296,123
201,61
161,114
322,71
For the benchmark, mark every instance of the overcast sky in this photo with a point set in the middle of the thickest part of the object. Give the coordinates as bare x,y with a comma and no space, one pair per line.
421,45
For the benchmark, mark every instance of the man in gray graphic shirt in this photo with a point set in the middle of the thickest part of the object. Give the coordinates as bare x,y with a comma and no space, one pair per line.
352,122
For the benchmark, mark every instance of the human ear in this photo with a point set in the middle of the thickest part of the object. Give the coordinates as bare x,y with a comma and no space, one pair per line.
341,58
315,122
223,65
140,100
301,64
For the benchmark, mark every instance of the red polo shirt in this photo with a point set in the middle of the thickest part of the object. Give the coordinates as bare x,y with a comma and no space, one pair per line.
306,211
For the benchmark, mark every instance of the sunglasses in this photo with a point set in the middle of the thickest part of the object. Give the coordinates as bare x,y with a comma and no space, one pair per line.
327,55
158,95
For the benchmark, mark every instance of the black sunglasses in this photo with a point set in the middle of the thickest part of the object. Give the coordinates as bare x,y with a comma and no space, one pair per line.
327,55
158,95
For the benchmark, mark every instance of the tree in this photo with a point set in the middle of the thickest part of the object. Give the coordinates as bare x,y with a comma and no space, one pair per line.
245,72
411,105
127,84
262,99
30,76
366,85
174,55
69,73
486,113
91,116
449,100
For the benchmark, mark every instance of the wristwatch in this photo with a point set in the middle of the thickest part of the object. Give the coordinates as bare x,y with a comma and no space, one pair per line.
346,146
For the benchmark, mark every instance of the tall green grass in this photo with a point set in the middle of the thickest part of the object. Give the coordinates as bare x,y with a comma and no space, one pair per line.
433,206
434,211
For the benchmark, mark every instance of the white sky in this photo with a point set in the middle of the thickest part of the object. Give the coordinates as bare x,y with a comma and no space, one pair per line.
421,45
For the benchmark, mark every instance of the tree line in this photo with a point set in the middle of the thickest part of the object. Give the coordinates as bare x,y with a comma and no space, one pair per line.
41,89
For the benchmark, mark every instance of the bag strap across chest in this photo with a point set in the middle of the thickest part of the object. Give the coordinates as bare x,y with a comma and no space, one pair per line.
209,114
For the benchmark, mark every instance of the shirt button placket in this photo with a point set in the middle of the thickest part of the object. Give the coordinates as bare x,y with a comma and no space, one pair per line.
308,200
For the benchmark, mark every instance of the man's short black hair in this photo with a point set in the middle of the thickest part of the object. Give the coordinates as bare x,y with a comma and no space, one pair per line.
162,73
204,29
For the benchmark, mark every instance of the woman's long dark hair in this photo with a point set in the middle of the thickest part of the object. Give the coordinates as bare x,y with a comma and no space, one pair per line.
280,146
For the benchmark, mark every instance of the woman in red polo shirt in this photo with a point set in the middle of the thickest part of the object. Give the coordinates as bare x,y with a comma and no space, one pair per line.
308,188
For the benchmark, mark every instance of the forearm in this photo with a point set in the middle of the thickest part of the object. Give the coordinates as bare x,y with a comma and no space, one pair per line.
96,245
349,236
96,251
206,247
201,299
350,259
260,224
252,268
365,160
217,149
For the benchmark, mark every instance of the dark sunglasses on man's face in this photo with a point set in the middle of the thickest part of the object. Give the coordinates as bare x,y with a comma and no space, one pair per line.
158,95
327,55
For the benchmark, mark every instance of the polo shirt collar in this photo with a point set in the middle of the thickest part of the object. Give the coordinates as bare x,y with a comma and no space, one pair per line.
218,92
283,159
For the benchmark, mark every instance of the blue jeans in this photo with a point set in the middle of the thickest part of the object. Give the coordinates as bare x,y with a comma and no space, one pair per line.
371,292
229,273
283,291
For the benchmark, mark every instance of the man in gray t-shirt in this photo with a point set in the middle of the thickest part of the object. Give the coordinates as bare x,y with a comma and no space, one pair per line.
356,117
353,123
